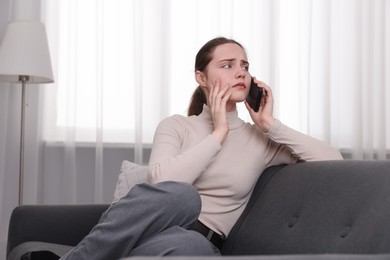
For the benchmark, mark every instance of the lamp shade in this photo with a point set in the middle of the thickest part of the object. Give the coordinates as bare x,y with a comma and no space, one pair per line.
25,52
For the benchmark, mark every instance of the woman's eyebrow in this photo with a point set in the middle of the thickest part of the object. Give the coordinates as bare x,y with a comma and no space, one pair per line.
226,60
230,60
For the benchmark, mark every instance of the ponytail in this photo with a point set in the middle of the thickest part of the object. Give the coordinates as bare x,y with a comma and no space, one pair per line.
197,101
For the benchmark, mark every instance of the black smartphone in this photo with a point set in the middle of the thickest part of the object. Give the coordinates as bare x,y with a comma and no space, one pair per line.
254,96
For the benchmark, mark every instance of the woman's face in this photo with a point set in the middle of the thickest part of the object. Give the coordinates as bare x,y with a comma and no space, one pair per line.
230,66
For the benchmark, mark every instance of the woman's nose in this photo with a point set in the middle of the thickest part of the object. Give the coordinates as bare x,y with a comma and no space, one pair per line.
240,73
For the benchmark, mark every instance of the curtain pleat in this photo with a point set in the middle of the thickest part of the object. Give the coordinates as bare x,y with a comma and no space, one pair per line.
139,73
100,85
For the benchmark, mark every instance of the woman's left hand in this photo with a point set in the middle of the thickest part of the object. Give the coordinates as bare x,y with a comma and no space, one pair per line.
264,117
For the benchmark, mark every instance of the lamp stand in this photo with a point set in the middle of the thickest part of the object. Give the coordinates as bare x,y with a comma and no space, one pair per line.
24,80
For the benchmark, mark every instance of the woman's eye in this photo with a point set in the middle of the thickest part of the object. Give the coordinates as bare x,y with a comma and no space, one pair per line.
226,66
245,67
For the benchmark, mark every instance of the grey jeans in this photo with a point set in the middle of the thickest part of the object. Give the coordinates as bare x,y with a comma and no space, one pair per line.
149,220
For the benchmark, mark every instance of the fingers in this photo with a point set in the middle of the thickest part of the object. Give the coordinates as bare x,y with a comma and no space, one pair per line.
264,117
219,95
214,90
267,92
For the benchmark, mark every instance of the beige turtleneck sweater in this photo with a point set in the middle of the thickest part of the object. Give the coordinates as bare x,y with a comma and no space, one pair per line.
184,150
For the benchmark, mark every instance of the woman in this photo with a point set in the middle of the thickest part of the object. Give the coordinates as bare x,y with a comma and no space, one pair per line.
203,167
217,152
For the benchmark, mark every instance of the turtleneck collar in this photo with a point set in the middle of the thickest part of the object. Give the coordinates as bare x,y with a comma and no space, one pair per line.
232,117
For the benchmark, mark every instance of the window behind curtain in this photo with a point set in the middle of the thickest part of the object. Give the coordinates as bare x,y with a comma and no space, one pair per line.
122,66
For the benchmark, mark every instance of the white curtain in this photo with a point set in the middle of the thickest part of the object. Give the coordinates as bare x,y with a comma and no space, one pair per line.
121,66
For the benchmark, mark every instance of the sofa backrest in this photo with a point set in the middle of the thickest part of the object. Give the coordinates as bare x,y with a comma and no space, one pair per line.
317,207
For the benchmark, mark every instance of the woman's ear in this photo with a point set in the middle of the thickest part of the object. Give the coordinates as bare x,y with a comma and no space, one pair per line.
200,78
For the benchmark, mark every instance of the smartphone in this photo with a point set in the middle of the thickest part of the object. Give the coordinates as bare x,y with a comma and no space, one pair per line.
254,96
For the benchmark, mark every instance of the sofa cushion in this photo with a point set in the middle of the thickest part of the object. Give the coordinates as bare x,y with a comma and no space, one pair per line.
130,175
31,226
316,208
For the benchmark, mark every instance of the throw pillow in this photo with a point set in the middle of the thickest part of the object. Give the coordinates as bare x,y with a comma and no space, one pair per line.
130,175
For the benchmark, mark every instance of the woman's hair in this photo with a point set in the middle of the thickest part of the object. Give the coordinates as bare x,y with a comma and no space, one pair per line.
203,58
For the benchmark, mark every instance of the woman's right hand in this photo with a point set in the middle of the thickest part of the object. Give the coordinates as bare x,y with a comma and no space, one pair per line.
218,97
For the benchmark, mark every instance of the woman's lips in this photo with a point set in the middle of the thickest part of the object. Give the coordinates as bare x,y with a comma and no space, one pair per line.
239,85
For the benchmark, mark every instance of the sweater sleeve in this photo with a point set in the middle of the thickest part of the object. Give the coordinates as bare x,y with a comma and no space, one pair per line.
169,162
300,146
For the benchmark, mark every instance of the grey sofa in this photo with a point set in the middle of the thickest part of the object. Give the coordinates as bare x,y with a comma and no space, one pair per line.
316,210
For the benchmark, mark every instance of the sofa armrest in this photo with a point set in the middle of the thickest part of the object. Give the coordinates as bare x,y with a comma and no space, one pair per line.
57,224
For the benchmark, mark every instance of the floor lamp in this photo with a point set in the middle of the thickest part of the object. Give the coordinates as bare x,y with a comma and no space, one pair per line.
25,58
